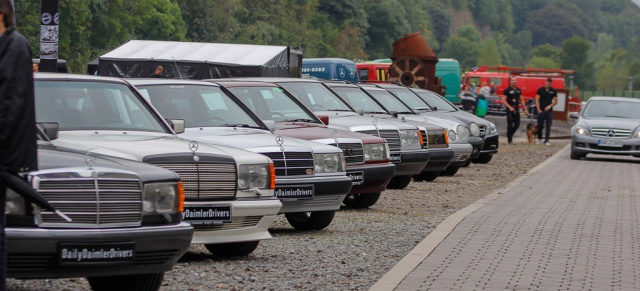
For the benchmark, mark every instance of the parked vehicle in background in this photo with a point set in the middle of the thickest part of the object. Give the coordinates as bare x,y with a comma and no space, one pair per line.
310,177
404,140
330,69
126,228
373,72
366,156
607,125
229,209
449,72
484,134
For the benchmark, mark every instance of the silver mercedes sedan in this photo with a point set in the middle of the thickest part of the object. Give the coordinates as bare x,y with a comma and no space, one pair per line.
607,125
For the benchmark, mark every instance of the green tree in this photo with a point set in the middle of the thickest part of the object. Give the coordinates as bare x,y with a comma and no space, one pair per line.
574,57
489,55
211,20
469,32
602,46
521,42
548,51
159,20
387,23
543,62
553,24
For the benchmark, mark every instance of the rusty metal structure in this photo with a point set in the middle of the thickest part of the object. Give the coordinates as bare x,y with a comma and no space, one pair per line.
414,63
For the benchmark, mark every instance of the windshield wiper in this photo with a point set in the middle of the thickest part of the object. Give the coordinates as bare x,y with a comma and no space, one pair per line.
347,110
376,112
301,120
240,125
616,116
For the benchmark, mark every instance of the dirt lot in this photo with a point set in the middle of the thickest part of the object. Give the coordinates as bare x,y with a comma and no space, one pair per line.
356,250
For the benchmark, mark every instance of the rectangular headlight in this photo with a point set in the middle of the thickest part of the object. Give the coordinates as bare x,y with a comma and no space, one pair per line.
161,198
410,137
328,163
254,176
14,204
375,152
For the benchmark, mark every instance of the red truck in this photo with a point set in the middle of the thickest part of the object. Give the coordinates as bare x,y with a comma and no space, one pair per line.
528,79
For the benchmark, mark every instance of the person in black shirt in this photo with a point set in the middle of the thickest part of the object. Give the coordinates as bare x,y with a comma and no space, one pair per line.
511,97
546,98
468,100
18,145
158,72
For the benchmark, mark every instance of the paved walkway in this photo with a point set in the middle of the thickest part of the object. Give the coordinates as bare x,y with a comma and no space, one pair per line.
567,225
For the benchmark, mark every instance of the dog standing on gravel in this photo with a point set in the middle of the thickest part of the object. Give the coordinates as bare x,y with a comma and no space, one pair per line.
532,132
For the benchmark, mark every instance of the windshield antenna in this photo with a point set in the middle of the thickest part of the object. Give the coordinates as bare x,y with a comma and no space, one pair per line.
177,69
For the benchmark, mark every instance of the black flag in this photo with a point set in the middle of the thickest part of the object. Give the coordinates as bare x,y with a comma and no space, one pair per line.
49,20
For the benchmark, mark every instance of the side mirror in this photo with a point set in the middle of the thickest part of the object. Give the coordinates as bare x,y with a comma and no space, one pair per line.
50,129
177,125
360,111
574,115
394,113
271,125
324,119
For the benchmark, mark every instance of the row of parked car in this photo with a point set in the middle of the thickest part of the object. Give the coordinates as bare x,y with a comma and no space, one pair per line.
146,167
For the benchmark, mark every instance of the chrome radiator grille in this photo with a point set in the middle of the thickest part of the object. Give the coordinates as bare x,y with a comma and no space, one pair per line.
91,202
611,132
205,181
292,163
392,137
483,129
353,153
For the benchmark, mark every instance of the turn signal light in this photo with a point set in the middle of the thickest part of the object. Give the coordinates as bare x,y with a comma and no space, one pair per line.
272,175
421,139
180,197
446,137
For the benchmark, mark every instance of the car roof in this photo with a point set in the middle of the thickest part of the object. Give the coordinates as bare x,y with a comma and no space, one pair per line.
231,84
315,61
156,81
372,87
266,79
75,77
597,98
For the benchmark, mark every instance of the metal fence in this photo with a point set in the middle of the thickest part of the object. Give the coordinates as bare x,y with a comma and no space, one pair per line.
585,95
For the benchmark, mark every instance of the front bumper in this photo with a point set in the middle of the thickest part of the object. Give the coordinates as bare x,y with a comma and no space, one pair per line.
461,153
33,252
250,221
412,162
477,143
328,193
589,145
440,160
375,177
491,144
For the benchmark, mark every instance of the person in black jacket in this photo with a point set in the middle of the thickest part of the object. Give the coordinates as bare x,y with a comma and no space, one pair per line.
18,146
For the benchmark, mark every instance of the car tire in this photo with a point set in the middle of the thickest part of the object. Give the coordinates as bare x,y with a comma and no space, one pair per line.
237,249
426,176
142,282
450,171
399,182
316,220
576,156
361,200
483,159
467,163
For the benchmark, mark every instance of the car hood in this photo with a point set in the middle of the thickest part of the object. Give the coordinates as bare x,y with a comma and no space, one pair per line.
138,145
608,122
467,118
356,122
322,133
252,140
51,157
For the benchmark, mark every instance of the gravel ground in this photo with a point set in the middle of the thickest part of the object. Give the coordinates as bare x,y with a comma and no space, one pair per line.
358,248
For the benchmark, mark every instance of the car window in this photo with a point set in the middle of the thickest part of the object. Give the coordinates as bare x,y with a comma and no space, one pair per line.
315,96
359,99
198,105
93,106
271,103
409,98
389,101
436,101
612,108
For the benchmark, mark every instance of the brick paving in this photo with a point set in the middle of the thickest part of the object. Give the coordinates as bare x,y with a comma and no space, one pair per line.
573,225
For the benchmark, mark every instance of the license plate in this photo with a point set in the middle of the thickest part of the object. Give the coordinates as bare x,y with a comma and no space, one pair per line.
294,192
95,253
395,158
356,177
610,143
207,214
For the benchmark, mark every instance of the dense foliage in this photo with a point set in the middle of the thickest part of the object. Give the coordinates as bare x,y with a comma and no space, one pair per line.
599,38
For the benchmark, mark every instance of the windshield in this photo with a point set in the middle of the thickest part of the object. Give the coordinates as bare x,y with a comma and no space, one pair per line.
315,96
611,108
199,106
389,101
359,99
271,103
93,106
409,98
436,101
